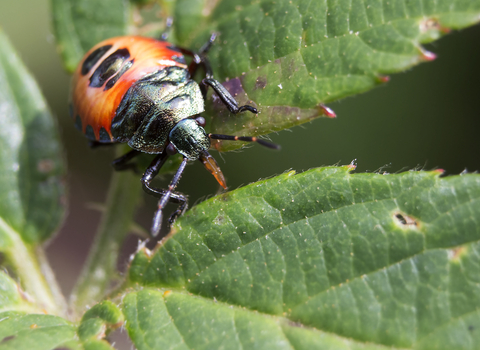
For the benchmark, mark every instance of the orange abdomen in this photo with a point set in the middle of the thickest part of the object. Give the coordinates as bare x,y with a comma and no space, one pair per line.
106,73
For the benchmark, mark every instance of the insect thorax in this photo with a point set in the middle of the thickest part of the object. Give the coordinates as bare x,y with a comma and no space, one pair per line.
153,106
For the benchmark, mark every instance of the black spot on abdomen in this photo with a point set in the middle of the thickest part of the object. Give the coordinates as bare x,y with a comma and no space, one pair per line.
115,78
93,58
104,136
90,133
112,65
78,123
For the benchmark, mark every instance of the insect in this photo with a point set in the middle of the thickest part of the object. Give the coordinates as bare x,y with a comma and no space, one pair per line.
140,91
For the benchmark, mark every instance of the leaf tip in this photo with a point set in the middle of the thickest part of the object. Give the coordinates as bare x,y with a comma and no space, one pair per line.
326,111
142,247
383,79
427,55
352,166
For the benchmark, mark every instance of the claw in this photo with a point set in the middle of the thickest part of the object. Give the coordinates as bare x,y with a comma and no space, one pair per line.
157,223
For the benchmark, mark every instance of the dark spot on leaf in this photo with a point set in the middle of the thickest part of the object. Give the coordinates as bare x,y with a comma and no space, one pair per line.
219,220
406,220
62,348
295,324
260,83
234,86
292,68
278,61
225,197
471,328
10,337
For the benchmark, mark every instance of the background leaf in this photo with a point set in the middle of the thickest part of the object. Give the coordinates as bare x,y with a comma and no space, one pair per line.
383,259
36,332
31,181
12,298
80,24
31,162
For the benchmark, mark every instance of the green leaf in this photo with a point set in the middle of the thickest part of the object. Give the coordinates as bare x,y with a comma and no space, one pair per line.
12,298
31,161
173,320
288,58
80,24
96,319
378,260
32,192
20,331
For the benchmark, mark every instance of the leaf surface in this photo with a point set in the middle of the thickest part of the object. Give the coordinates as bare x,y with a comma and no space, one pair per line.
80,24
31,162
37,331
288,58
20,331
11,296
315,259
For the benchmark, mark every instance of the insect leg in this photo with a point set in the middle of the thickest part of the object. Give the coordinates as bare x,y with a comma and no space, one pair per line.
199,59
122,163
150,174
226,97
96,144
157,219
244,138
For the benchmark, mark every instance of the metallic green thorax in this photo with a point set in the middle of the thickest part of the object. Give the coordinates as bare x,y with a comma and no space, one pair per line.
153,107
189,138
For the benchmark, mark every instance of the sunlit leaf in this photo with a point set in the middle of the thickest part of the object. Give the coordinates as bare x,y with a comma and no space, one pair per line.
377,260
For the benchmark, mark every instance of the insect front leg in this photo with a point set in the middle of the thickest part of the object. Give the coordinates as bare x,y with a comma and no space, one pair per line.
122,163
226,97
164,195
169,194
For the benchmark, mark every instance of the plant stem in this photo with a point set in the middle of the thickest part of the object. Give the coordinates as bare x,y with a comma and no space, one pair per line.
31,268
100,269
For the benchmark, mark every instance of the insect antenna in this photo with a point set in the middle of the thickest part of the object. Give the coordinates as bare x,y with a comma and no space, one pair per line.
244,138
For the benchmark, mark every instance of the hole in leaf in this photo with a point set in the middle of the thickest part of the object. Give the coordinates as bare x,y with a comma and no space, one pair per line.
406,220
219,220
456,253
